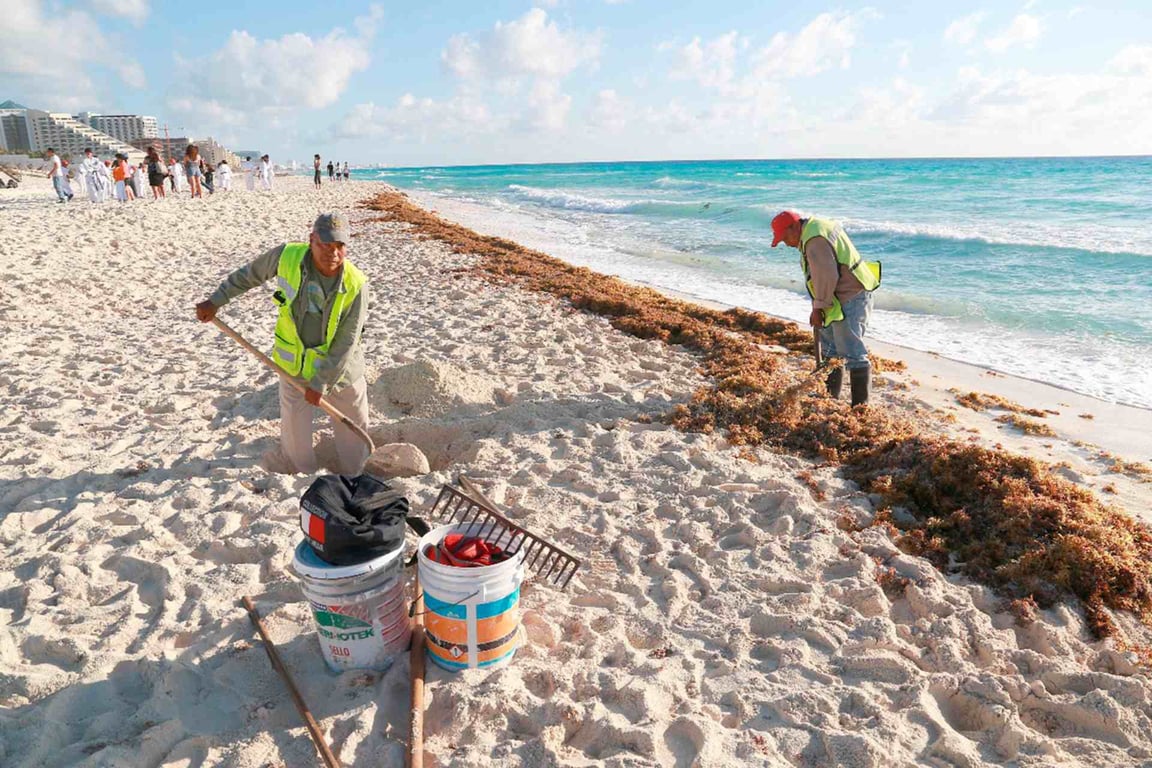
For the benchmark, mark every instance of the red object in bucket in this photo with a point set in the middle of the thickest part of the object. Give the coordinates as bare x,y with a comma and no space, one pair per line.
465,552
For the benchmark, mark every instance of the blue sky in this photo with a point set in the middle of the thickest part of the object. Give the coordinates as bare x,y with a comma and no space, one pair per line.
571,80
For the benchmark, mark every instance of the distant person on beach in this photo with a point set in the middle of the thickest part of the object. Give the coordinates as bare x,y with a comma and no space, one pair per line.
120,173
209,173
139,180
345,170
56,173
65,166
266,173
331,171
92,169
840,284
81,176
323,305
224,175
105,172
316,171
193,170
156,173
249,169
176,175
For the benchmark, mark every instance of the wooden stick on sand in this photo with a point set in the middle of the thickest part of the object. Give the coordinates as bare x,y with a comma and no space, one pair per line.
314,731
416,664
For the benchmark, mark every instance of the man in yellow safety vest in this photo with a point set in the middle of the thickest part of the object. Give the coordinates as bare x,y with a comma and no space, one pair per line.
322,305
840,284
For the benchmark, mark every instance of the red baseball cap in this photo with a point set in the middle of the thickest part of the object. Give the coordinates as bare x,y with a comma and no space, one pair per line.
780,225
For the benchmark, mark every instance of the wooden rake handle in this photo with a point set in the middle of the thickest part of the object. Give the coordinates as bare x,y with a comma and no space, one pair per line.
314,731
416,665
300,387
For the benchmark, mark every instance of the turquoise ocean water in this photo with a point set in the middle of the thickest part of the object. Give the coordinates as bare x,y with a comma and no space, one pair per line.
1036,267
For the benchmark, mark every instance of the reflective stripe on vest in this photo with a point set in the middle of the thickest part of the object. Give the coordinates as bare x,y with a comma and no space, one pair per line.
288,349
867,272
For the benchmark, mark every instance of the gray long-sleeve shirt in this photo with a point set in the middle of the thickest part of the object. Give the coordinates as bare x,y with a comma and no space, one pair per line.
829,277
310,311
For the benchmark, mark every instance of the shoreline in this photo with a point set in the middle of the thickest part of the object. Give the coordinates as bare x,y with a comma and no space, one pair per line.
470,214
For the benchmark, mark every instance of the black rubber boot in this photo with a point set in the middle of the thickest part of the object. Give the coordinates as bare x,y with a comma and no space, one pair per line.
861,380
835,382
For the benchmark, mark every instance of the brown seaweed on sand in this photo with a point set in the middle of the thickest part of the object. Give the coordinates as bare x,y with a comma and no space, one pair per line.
1005,520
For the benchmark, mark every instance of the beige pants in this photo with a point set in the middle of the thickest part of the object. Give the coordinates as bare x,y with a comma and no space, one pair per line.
296,428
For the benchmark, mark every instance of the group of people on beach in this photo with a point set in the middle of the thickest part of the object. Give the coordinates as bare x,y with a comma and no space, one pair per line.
119,179
334,171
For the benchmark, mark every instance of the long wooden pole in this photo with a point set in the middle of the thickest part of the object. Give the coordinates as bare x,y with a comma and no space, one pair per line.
416,665
313,729
328,408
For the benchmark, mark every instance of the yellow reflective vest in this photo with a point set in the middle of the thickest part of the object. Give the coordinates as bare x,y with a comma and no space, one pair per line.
288,350
867,272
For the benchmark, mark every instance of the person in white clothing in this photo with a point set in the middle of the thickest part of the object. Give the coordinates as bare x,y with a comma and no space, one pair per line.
139,180
177,170
67,182
93,172
224,176
266,173
80,176
249,169
110,182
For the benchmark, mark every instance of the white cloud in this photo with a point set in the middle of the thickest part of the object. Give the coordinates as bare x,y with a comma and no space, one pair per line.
135,11
963,31
729,65
712,64
825,43
529,46
208,111
1082,110
273,76
547,106
609,110
57,74
892,105
1133,60
419,119
520,65
133,74
1024,30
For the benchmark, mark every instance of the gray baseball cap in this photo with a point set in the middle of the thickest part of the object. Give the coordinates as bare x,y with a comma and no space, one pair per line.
332,227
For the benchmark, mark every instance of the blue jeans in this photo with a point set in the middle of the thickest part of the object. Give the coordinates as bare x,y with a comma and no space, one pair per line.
58,185
845,338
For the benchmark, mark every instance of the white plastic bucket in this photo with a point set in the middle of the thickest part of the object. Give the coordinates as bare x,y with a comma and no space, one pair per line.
471,615
361,611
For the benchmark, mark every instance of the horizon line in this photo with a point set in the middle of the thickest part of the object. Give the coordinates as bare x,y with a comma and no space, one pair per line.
773,160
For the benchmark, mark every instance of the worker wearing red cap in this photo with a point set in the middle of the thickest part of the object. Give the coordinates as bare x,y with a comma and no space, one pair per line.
841,285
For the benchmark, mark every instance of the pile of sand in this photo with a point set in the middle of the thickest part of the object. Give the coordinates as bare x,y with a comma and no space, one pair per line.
428,389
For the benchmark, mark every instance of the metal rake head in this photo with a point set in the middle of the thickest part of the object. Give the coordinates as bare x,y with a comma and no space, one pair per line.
477,515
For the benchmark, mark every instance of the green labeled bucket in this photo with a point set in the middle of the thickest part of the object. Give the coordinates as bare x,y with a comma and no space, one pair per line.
361,610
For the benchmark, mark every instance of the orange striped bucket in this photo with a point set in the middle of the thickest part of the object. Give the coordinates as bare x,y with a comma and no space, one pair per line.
472,615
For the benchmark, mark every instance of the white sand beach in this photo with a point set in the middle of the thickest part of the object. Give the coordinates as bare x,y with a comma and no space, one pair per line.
722,617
